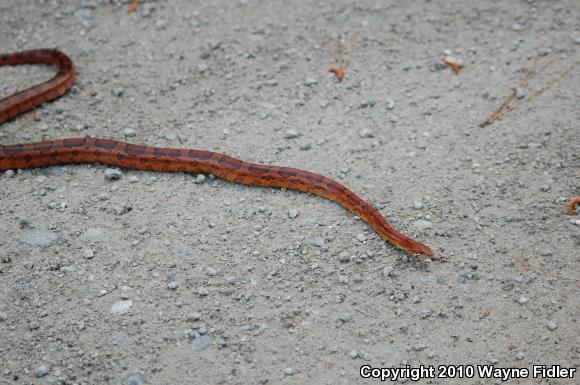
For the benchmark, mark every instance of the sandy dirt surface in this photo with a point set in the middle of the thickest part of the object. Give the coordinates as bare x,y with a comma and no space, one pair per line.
182,279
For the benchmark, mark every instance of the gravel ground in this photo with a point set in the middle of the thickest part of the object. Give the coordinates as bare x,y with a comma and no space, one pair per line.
125,277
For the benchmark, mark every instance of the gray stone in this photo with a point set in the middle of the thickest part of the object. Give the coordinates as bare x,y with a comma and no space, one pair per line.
418,204
40,238
346,317
201,342
113,174
94,234
291,134
117,91
291,371
552,326
292,213
183,251
319,242
134,378
310,81
129,132
368,103
121,307
422,225
365,133
387,271
41,371
425,313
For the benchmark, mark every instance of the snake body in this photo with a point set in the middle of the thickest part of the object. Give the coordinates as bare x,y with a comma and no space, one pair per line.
131,156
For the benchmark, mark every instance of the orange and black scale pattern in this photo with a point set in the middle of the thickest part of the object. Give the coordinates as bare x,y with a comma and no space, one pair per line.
131,156
23,101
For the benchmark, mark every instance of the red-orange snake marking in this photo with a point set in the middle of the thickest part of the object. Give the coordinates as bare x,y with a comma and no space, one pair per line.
131,156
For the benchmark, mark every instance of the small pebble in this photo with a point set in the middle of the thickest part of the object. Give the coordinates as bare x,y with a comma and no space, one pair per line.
9,173
40,238
117,91
368,103
41,371
387,271
201,342
310,81
291,134
419,347
361,237
200,178
93,234
519,356
202,291
417,204
113,174
365,133
161,24
552,326
319,242
425,313
183,251
147,9
291,371
129,132
121,307
292,213
390,104
134,378
88,254
195,316
346,317
422,225
520,93
172,285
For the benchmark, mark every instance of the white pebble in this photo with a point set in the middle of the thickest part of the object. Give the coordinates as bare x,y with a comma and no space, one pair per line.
292,213
121,307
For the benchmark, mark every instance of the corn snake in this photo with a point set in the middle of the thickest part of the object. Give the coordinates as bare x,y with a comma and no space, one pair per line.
137,157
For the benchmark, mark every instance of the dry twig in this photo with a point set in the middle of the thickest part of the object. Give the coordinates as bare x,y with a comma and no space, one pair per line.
341,57
521,261
507,106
